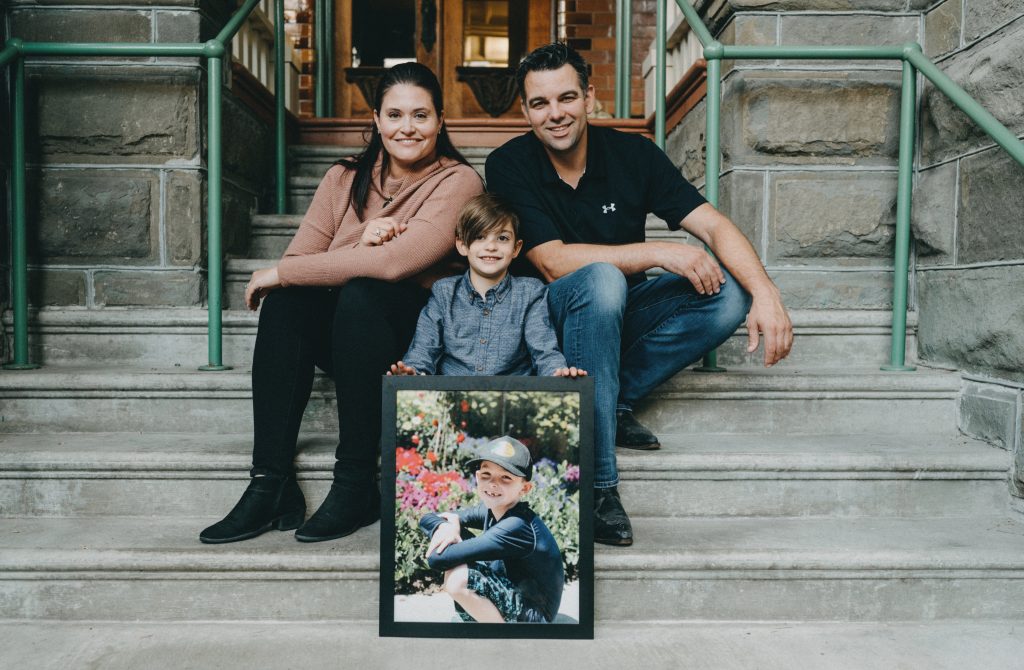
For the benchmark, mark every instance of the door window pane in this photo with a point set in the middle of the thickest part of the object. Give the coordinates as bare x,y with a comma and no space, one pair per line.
486,33
383,29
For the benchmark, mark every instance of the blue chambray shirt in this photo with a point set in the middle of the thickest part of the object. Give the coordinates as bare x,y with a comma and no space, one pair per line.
507,332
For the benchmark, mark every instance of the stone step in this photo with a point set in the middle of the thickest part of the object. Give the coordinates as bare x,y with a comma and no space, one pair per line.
175,474
956,645
739,569
177,336
776,401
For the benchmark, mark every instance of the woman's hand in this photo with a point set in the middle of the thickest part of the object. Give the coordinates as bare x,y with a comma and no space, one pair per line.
569,372
262,282
379,231
401,368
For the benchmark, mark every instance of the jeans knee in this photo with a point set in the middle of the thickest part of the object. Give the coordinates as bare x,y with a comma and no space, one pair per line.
732,305
603,288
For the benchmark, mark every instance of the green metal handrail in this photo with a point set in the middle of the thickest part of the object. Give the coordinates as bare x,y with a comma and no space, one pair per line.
213,50
913,61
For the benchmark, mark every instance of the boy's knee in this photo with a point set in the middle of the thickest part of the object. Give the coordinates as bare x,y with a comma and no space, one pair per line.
456,580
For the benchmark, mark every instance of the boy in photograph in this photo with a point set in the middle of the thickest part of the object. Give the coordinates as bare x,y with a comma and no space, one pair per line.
485,321
512,571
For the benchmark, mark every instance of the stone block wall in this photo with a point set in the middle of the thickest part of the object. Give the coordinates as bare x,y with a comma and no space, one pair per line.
116,151
809,160
810,147
969,218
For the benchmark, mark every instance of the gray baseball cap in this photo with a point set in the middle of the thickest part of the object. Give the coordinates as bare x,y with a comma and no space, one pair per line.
509,453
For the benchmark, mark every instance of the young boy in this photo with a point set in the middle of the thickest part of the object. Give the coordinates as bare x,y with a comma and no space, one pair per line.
486,322
512,571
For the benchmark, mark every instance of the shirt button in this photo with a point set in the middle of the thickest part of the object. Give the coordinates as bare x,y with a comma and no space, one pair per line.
479,368
487,312
483,341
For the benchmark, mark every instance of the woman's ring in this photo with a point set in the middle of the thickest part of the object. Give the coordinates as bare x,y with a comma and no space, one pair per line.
379,232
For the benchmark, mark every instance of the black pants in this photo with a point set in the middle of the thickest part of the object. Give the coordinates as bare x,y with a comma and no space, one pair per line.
353,333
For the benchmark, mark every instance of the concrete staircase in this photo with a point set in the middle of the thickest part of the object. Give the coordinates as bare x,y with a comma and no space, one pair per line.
818,514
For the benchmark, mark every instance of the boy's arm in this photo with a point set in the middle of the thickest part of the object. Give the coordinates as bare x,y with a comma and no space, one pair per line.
426,348
540,337
509,538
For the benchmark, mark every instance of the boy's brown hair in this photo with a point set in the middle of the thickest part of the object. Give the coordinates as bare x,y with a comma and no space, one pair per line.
484,213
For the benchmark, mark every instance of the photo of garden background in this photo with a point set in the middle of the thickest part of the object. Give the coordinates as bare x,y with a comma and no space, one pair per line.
437,433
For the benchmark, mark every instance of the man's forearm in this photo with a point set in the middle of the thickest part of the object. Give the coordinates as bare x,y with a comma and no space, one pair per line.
735,252
557,259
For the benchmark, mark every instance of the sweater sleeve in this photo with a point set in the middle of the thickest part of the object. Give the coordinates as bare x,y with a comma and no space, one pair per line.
429,238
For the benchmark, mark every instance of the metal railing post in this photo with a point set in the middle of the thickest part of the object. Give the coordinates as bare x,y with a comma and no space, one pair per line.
901,262
713,159
325,53
660,51
319,33
214,257
280,157
623,57
19,239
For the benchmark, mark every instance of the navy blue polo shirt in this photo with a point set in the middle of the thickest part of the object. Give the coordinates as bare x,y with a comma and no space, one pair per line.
626,177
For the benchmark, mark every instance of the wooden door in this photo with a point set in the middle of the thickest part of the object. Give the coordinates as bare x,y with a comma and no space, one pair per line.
458,39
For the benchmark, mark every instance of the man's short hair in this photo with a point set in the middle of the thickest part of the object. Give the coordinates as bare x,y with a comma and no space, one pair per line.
552,57
484,213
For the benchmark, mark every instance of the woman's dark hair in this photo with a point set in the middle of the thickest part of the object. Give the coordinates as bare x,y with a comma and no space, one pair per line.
414,74
552,57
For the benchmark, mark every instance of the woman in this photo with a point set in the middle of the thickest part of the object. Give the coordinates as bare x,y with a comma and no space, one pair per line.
345,298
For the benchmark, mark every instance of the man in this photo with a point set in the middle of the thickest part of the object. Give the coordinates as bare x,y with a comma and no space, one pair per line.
583,194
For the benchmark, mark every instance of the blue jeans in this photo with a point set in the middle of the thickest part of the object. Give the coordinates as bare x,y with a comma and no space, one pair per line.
630,340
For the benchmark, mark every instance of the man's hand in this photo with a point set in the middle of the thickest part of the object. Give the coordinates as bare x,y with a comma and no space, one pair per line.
445,535
768,317
569,372
401,368
262,282
693,263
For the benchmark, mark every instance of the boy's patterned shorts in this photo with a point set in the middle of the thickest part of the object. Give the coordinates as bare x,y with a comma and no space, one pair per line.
497,588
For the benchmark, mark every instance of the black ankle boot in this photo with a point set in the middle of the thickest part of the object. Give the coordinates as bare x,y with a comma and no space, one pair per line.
348,507
269,502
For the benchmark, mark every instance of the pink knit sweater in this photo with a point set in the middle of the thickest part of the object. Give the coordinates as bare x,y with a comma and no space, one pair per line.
326,251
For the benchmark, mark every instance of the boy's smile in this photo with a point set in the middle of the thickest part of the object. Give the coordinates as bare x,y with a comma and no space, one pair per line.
490,255
499,489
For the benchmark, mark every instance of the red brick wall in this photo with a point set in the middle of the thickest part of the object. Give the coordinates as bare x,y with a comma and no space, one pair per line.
589,27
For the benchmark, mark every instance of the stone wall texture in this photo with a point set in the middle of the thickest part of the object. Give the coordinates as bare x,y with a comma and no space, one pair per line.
809,174
809,149
968,223
117,177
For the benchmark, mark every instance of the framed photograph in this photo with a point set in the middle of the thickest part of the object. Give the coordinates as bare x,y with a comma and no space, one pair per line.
485,481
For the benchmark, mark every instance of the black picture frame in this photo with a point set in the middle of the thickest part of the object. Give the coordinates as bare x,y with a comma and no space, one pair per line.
445,400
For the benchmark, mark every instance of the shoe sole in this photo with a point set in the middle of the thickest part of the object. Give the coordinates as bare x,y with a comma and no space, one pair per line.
284,522
325,538
653,446
615,543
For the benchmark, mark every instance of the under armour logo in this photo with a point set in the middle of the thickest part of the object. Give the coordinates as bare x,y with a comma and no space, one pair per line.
608,208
